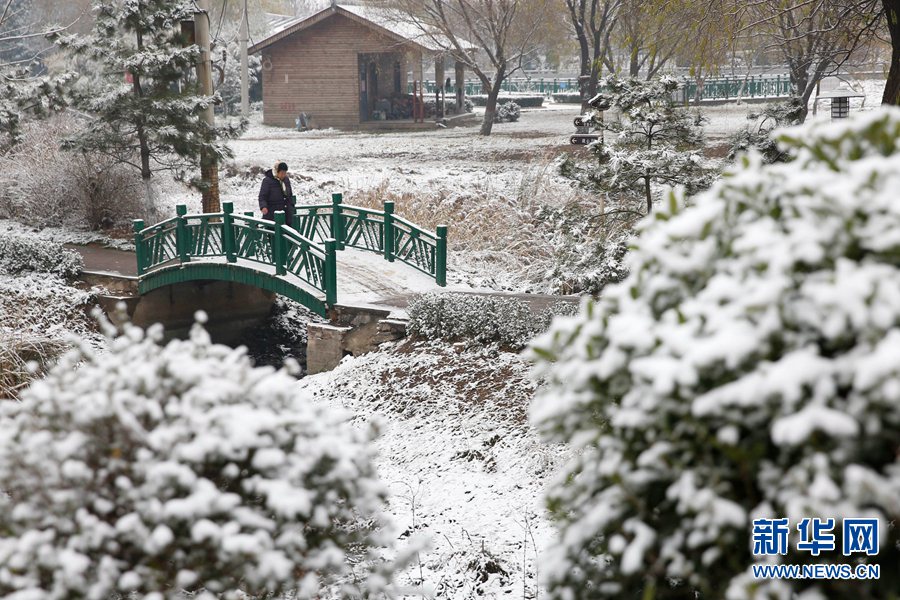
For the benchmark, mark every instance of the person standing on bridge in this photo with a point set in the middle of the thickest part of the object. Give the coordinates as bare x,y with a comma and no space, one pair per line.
275,193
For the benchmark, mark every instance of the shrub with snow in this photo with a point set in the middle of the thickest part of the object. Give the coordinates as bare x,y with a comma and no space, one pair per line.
757,134
746,368
523,100
507,112
567,98
484,319
431,106
19,254
158,471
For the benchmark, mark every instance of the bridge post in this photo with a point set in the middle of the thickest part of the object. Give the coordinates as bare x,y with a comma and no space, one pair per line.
440,258
337,224
181,234
278,243
388,237
330,272
138,226
228,231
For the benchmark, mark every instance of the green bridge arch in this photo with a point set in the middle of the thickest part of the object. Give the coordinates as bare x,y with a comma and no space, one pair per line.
298,262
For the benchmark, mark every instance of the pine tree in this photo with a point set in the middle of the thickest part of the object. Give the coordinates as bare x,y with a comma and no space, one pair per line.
23,93
149,109
653,141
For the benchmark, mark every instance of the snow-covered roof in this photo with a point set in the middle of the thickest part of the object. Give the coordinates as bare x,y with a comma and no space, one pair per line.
840,92
277,22
386,21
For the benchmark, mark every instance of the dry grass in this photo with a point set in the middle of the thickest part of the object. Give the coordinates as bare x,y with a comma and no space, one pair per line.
540,235
24,358
481,217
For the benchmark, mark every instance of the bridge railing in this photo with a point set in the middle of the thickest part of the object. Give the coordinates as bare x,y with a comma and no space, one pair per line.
307,250
233,236
377,231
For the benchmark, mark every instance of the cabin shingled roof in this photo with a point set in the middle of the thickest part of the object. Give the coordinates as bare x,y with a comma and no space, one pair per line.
381,20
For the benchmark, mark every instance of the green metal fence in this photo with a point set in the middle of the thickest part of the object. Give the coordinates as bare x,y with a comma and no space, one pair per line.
724,88
306,251
525,85
379,231
732,88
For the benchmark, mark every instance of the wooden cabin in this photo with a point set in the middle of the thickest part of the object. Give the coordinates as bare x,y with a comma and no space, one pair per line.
348,67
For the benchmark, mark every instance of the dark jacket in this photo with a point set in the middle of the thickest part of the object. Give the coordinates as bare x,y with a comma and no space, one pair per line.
273,198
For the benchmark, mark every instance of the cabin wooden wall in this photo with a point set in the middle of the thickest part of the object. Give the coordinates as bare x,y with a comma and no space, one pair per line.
316,71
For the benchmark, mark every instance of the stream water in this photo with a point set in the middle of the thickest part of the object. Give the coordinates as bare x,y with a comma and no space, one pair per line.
280,337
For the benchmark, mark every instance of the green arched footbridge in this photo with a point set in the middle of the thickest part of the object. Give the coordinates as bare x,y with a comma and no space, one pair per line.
299,262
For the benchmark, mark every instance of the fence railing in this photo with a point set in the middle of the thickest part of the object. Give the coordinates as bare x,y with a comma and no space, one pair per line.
224,234
732,88
306,250
377,231
526,85
724,88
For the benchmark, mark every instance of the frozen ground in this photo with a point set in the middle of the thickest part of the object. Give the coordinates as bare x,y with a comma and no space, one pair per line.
464,469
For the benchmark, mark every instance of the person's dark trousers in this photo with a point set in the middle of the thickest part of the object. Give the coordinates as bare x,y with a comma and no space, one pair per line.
288,215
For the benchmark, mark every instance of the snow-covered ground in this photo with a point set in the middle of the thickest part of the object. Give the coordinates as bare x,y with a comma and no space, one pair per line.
445,161
463,467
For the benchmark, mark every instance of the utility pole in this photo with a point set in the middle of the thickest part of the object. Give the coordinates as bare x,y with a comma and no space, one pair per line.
209,167
245,64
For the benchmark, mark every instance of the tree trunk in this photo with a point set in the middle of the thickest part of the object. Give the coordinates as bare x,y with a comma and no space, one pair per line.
490,107
648,194
799,85
585,69
634,67
141,133
892,87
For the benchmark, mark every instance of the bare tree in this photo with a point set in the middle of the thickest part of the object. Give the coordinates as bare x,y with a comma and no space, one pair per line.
504,32
592,22
653,33
814,37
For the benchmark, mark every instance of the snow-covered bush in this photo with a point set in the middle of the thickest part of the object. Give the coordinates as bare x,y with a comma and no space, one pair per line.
150,472
746,368
758,132
587,255
484,319
431,106
567,97
507,112
523,100
19,254
42,305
